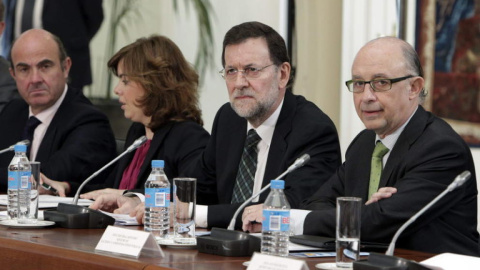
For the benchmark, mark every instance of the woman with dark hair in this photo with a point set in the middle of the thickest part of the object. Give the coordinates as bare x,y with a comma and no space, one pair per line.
158,92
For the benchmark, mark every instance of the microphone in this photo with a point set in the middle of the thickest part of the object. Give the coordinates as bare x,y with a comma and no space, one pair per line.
137,143
227,242
10,148
299,162
458,181
74,216
379,261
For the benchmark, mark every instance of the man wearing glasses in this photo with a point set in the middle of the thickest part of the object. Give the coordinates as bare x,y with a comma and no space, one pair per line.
418,156
261,131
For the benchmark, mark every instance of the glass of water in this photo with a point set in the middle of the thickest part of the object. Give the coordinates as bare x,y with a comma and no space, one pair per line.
348,230
184,201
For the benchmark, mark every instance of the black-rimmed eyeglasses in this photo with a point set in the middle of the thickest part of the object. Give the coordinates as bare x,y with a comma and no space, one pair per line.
378,85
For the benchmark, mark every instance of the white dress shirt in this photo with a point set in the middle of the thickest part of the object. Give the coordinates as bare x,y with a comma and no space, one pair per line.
265,131
45,117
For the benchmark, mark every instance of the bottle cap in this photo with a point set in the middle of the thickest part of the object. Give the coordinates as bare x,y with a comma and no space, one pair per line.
20,148
158,163
279,184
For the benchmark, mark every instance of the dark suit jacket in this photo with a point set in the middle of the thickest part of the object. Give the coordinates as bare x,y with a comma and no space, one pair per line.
8,88
75,22
78,141
301,128
179,144
426,158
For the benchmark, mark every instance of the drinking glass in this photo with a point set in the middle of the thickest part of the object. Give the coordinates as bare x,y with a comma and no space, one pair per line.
348,230
184,201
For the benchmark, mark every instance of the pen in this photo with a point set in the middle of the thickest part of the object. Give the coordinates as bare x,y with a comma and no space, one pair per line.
48,187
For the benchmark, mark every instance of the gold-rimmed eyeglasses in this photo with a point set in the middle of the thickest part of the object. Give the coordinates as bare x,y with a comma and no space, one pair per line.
230,74
378,85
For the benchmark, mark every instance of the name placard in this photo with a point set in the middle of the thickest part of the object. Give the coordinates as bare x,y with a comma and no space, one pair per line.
129,242
268,262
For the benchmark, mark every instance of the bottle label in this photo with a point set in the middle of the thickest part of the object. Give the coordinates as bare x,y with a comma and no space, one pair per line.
276,220
157,197
24,178
12,180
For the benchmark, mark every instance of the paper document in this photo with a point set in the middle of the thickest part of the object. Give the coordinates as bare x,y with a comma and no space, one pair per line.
123,219
450,261
50,201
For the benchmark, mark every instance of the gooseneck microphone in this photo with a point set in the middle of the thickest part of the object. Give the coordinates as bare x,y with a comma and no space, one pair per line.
227,242
388,261
74,216
458,181
10,148
299,162
137,143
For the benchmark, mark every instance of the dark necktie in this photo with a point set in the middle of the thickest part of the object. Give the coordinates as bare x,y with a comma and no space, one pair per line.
28,131
376,167
246,169
27,15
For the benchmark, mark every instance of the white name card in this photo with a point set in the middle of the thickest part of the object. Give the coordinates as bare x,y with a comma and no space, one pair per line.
268,262
129,242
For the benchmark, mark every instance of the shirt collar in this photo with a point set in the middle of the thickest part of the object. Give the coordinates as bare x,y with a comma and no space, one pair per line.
390,140
266,129
47,115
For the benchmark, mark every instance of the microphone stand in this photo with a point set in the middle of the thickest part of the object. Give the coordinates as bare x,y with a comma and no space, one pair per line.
227,242
74,216
10,148
388,261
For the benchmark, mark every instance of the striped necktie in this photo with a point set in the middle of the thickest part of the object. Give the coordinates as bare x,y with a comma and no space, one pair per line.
246,169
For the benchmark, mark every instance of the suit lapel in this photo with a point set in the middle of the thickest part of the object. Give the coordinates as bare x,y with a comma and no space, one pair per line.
278,146
135,131
358,173
233,152
50,136
410,134
155,146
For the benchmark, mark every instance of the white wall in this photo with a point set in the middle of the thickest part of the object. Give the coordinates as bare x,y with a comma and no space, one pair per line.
361,23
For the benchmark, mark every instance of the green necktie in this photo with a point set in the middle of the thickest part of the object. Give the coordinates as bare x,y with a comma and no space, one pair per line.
376,167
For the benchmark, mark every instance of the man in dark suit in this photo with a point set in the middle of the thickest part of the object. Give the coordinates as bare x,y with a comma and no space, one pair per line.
75,22
424,156
257,74
72,139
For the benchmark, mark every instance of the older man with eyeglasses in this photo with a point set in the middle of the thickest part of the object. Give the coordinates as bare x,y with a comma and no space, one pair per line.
402,160
261,131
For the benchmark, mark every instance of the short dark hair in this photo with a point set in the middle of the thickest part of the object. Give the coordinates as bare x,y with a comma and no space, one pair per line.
276,44
170,82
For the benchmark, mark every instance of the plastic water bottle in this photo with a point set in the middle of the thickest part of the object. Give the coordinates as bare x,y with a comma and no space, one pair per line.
18,168
276,221
157,201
